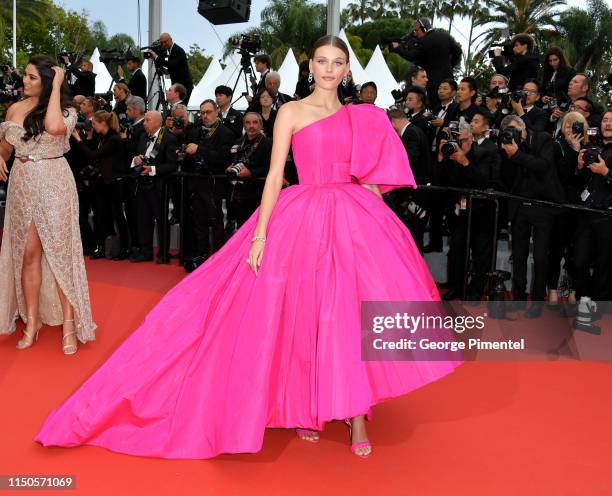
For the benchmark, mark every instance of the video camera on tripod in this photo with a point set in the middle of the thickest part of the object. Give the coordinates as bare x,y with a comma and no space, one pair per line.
156,47
72,56
409,41
115,56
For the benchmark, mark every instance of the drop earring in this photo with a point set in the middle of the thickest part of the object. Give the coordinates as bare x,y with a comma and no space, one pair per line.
310,77
345,81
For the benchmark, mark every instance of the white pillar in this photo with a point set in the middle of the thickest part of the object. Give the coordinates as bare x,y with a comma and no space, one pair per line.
14,33
333,17
155,15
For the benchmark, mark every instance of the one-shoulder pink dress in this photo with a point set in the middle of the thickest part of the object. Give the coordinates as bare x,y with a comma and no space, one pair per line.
226,354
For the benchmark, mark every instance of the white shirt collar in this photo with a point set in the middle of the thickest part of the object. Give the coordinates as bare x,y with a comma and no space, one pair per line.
404,129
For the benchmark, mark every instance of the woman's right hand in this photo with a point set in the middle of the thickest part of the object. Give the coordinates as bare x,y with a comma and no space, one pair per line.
3,170
255,255
58,79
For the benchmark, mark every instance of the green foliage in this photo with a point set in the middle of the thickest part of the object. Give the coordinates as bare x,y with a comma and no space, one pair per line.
198,62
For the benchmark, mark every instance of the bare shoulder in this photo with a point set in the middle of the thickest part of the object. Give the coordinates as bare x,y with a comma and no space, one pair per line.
287,114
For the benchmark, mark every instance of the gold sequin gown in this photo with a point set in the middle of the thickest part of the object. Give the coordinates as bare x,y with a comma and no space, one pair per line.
43,192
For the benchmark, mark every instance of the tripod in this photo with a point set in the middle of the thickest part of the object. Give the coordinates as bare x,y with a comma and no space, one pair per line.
160,93
246,69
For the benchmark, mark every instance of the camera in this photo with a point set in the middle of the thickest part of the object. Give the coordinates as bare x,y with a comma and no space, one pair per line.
136,171
449,148
246,43
90,174
407,42
492,134
233,171
591,155
506,47
181,153
84,125
72,56
452,139
178,123
510,134
156,47
114,56
518,96
578,128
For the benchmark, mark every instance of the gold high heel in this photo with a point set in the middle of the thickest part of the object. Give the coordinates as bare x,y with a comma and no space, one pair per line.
28,340
69,349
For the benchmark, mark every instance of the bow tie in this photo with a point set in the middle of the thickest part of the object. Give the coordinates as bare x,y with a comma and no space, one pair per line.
150,139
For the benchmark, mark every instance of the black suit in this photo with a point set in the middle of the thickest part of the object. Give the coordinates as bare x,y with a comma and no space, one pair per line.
207,197
520,68
281,98
137,84
417,147
176,62
536,119
531,172
233,121
482,172
85,83
149,193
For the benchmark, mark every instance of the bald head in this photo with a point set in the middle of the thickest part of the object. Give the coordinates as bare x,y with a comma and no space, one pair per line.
152,121
166,40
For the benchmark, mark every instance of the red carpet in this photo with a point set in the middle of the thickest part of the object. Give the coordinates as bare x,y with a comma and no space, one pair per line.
490,428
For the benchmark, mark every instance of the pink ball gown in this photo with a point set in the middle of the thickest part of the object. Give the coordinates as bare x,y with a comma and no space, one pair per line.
226,354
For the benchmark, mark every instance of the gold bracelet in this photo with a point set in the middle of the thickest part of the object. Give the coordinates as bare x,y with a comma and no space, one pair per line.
259,238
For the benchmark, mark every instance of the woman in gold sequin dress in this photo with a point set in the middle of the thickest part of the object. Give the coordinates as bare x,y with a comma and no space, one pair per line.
41,259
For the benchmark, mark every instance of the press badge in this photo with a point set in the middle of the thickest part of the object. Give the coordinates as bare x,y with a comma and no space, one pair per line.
463,203
585,194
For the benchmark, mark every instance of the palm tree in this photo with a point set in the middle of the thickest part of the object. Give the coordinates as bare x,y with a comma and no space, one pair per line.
475,13
27,10
451,8
535,17
289,24
357,11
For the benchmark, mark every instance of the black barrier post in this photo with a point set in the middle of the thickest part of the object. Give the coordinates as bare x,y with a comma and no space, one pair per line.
468,240
181,246
163,229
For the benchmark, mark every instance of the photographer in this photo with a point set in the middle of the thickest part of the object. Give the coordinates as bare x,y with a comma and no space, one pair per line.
470,161
418,77
579,87
156,157
522,65
250,162
417,113
466,96
525,107
528,170
586,107
174,59
176,96
230,117
263,65
109,159
138,82
593,235
85,79
121,93
409,204
272,85
368,93
136,108
435,51
557,75
567,146
212,156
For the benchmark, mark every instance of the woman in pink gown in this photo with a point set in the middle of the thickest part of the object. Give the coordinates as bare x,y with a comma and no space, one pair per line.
238,347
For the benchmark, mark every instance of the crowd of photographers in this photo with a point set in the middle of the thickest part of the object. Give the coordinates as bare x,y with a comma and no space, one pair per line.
534,132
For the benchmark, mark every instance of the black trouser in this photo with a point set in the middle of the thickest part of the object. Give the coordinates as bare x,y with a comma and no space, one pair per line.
593,248
118,215
481,247
131,211
561,247
539,219
103,212
206,199
150,208
242,200
88,237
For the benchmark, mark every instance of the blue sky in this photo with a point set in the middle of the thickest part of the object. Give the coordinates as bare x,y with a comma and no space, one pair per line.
181,19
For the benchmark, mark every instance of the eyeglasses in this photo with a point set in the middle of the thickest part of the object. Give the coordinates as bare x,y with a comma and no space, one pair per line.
533,92
577,107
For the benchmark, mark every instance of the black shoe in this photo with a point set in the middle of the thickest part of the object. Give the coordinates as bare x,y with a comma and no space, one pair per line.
122,255
535,310
451,294
141,257
97,254
516,306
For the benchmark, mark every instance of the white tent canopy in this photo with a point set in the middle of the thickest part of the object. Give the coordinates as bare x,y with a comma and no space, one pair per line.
200,92
378,71
103,79
227,78
289,73
359,74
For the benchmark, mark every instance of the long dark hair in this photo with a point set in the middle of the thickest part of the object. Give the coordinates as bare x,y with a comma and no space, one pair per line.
34,122
548,70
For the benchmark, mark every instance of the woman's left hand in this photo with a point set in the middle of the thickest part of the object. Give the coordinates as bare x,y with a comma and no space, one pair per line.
58,79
